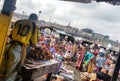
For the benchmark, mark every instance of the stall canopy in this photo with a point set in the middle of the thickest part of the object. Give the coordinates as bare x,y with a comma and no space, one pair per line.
61,32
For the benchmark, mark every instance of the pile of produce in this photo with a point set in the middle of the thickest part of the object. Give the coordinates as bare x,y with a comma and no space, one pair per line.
40,53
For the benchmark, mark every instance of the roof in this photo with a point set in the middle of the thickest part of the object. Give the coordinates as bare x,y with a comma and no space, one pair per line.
62,32
59,31
113,2
50,27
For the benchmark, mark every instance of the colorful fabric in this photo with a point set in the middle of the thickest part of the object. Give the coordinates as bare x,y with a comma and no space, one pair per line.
80,59
87,57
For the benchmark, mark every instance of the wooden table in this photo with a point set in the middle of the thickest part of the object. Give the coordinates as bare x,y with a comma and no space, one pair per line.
32,71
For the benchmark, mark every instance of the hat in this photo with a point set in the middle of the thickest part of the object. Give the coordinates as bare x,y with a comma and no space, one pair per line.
33,17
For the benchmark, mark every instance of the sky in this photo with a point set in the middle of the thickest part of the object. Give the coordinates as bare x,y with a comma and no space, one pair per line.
102,17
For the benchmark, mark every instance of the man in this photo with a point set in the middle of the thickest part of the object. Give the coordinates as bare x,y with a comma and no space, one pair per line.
100,61
24,33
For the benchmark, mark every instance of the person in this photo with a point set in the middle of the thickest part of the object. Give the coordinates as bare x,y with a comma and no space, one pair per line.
100,61
87,57
24,33
91,65
52,50
59,56
81,53
74,51
53,40
106,74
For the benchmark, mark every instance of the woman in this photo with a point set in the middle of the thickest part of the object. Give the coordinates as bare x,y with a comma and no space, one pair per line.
80,56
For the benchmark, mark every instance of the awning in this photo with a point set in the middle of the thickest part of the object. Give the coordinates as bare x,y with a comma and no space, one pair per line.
61,32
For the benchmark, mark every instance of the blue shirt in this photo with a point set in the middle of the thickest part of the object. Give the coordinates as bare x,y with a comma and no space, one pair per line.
100,61
52,50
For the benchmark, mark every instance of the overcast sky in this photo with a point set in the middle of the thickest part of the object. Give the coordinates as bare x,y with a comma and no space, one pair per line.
102,17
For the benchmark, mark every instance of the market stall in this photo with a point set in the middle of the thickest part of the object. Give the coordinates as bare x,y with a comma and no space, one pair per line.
39,61
35,69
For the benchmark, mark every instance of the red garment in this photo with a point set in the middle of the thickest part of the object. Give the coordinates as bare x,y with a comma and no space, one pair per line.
95,53
80,58
41,39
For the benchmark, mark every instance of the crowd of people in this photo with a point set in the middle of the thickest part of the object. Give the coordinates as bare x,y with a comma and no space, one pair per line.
90,58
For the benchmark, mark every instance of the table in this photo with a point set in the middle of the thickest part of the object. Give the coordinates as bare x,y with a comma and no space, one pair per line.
90,77
32,71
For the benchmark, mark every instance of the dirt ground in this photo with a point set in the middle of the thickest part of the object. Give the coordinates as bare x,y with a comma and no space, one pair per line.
71,66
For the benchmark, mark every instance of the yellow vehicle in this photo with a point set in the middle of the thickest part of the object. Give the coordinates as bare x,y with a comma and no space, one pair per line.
5,20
